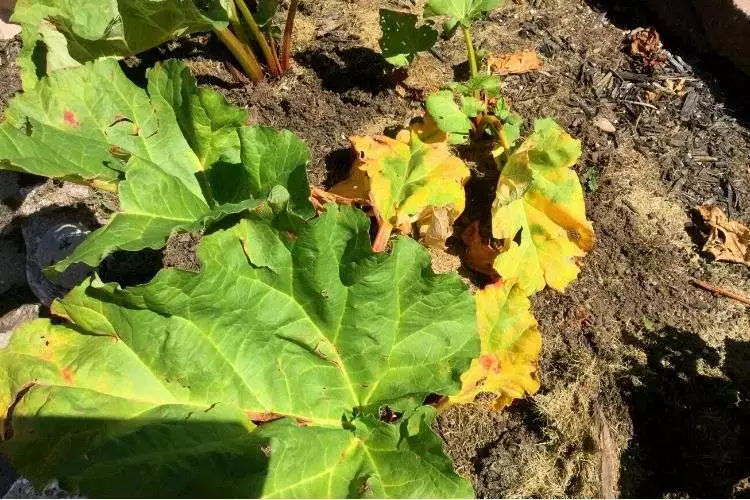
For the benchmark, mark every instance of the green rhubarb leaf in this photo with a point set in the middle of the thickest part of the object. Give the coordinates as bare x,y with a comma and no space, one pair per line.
152,390
401,39
449,118
489,84
512,122
185,154
462,12
471,106
59,34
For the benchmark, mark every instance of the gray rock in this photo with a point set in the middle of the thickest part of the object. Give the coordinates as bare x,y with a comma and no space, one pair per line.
49,238
48,195
22,488
15,318
9,188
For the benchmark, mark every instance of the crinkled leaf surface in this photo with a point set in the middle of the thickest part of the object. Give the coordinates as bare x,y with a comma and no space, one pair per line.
151,390
185,154
65,33
489,84
448,116
539,212
512,122
403,177
471,106
511,343
460,11
401,39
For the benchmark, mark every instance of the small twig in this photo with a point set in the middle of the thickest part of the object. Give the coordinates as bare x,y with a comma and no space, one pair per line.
721,291
639,103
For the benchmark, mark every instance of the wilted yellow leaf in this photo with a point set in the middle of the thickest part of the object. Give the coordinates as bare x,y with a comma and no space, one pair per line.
510,347
405,178
539,212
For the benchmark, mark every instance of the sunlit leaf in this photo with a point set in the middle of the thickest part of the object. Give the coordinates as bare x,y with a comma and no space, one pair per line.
152,390
448,116
460,11
405,177
179,157
539,212
59,34
401,40
511,343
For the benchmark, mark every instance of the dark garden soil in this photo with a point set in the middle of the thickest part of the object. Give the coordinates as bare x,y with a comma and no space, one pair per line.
645,378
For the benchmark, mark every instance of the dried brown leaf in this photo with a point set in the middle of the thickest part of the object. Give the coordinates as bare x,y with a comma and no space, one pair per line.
515,63
646,45
727,240
479,255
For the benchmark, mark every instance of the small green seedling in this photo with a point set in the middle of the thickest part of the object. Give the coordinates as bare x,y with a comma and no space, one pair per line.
460,109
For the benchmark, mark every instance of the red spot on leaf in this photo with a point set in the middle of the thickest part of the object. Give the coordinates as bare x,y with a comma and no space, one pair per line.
489,363
67,374
70,119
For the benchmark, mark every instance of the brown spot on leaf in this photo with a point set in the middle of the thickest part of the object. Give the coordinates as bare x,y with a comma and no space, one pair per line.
70,118
67,375
489,362
262,417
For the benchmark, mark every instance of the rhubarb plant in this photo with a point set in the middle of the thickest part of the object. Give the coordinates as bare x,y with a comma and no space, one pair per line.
179,158
59,35
538,218
294,364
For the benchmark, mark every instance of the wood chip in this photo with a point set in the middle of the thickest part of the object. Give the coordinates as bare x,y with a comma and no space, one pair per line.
689,106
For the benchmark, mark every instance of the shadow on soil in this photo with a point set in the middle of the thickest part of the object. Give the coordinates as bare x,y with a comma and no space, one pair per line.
691,429
348,69
682,31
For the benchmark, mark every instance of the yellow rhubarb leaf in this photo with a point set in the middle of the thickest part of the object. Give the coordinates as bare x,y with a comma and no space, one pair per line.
405,178
510,347
539,212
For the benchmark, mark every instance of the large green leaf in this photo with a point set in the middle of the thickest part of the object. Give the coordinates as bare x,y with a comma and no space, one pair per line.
64,33
401,39
186,156
151,390
460,11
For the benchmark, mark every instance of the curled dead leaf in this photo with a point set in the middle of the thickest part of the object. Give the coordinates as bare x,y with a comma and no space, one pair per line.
515,63
435,226
646,45
319,198
727,240
479,254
